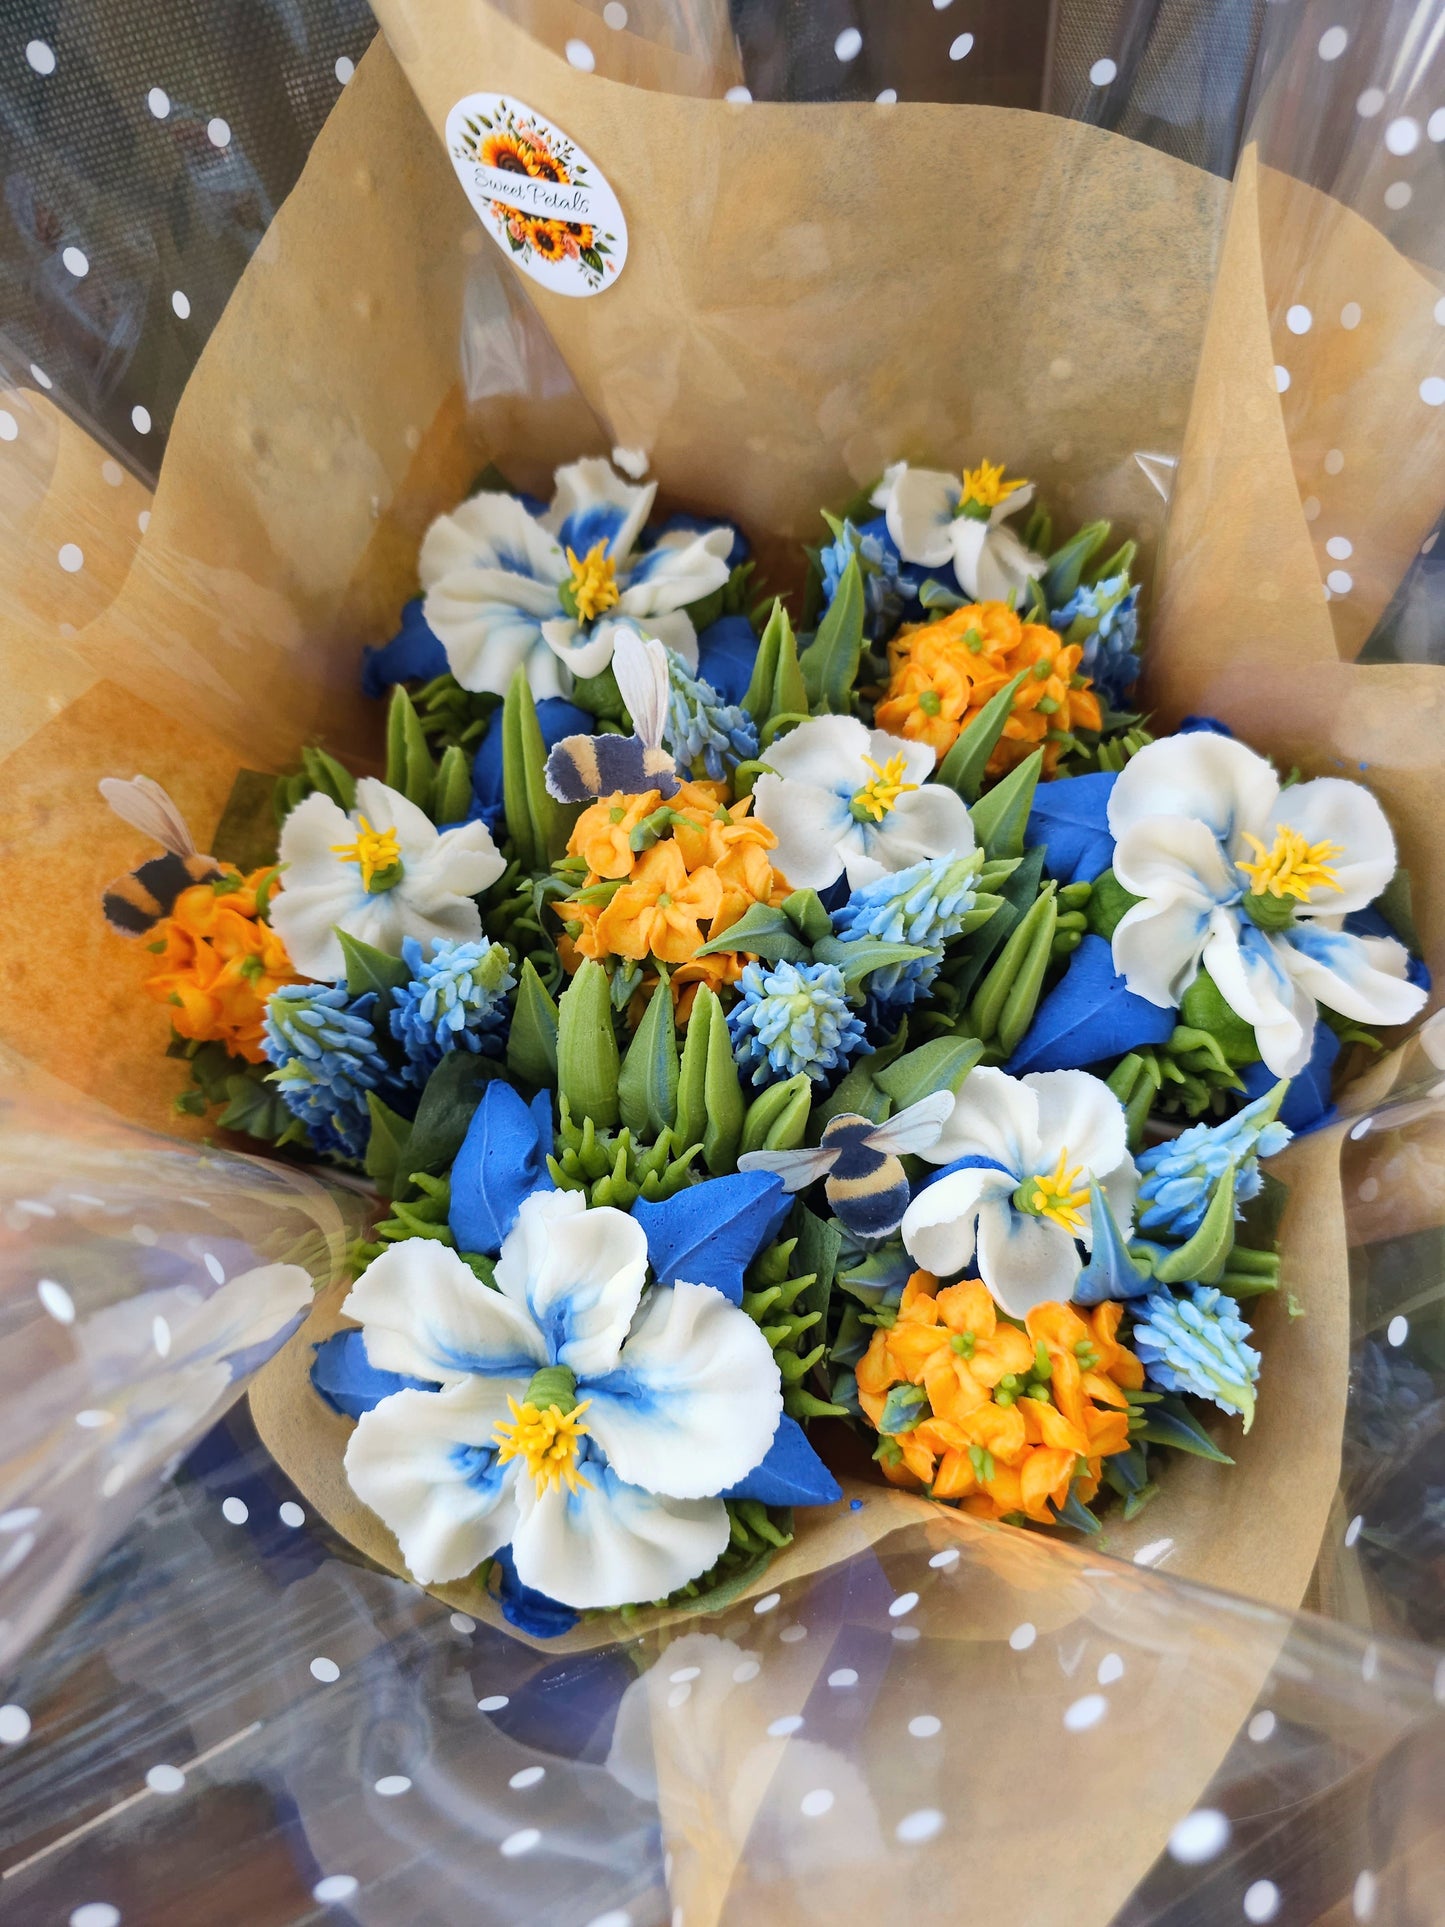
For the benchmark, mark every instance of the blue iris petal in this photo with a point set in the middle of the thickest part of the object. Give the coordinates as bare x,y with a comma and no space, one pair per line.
1071,819
349,1383
414,654
710,1233
503,1159
530,1611
557,718
1090,1014
790,1474
726,652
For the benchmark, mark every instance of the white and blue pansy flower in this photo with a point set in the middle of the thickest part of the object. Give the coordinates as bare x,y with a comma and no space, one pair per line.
939,520
382,872
847,799
1016,1199
587,1419
1253,883
507,589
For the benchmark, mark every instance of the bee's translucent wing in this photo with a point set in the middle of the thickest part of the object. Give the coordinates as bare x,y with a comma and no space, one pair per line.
146,807
640,666
797,1169
916,1128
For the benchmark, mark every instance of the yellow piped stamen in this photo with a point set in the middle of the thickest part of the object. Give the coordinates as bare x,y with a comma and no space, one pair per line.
1292,868
986,486
546,1441
374,850
878,796
1059,1196
594,582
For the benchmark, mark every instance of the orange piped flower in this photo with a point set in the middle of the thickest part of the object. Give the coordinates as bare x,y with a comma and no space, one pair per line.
220,961
942,674
1014,1418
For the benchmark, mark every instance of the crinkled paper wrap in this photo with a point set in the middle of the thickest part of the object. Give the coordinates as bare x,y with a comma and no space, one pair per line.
795,311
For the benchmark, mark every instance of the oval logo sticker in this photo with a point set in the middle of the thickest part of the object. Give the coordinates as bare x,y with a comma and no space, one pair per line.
540,197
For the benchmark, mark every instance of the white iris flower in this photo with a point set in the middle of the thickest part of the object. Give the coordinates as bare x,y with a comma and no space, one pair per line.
936,519
1020,1207
582,1417
1254,883
507,589
848,798
380,872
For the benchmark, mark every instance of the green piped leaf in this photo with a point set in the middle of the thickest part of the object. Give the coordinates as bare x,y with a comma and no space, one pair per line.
409,765
1203,1258
692,1071
722,1097
1169,1421
963,767
368,968
1008,995
1018,892
587,1059
859,960
452,792
804,910
324,773
1000,817
777,1119
247,832
647,1084
537,823
532,1040
453,1092
765,930
829,664
777,688
938,1066
1066,565
860,1092
388,1148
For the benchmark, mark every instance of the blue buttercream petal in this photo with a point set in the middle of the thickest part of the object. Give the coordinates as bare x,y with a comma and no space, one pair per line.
1204,725
414,654
791,1474
1070,819
696,525
1307,1103
503,1159
726,652
1089,1015
530,1611
711,1232
349,1383
556,718
594,522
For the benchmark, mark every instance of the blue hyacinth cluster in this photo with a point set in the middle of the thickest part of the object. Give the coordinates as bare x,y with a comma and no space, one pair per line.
455,1001
326,1058
1104,617
701,725
887,586
924,904
1196,1341
793,1017
1178,1177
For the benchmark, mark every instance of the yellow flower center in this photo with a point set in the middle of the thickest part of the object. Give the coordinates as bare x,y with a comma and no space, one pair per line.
1058,1196
376,851
1292,868
547,1441
883,789
985,485
594,582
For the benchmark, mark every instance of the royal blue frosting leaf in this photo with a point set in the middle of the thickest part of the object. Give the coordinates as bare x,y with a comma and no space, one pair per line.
791,1474
726,652
1070,819
414,654
1110,1272
349,1382
503,1159
1090,1014
1307,1103
710,1233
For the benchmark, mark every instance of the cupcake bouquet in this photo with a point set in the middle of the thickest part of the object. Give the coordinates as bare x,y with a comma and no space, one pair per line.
759,1026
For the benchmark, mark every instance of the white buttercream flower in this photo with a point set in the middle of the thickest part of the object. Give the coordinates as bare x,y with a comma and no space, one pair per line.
1021,1205
1254,882
506,588
586,1419
381,872
850,798
937,519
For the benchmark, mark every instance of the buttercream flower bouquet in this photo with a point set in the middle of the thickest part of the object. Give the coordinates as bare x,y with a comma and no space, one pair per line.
765,1028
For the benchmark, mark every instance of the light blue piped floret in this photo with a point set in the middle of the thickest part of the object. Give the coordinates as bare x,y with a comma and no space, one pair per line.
456,1001
793,1017
885,587
1178,1177
1104,617
701,724
1195,1341
924,904
326,1059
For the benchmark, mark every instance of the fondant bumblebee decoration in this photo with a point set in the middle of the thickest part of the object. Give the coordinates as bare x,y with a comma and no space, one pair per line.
582,768
136,903
866,1185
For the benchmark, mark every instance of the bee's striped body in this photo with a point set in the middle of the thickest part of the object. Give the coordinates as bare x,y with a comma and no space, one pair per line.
136,903
867,1187
582,768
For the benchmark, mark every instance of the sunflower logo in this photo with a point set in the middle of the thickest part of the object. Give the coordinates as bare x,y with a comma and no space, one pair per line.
507,152
548,239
